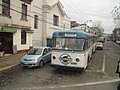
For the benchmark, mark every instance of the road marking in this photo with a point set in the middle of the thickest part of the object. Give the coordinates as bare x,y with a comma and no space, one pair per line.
8,67
103,67
74,85
92,83
96,71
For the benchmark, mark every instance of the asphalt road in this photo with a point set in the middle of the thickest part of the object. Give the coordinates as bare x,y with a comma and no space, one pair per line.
100,74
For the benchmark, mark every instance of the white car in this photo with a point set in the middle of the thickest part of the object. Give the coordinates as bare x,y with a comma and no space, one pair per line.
99,45
36,57
118,42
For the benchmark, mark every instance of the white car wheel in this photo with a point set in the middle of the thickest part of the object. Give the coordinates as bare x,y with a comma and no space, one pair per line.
41,64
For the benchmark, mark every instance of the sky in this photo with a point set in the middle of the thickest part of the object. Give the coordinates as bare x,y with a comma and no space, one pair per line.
96,10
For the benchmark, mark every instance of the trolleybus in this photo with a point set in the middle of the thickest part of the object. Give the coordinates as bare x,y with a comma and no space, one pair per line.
72,49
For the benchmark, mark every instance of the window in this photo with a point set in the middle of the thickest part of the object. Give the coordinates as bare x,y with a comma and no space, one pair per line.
6,7
24,12
90,41
55,20
69,43
23,37
49,49
35,51
85,45
64,27
45,52
49,42
36,21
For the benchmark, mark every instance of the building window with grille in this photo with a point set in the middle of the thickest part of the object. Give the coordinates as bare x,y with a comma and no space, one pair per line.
6,7
55,20
24,12
36,21
23,37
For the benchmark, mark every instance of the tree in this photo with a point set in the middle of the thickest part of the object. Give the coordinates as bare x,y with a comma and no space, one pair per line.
97,27
116,16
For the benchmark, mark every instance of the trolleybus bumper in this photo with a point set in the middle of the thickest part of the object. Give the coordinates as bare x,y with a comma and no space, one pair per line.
65,67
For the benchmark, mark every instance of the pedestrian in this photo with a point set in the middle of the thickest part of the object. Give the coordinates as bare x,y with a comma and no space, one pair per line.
118,68
118,71
1,50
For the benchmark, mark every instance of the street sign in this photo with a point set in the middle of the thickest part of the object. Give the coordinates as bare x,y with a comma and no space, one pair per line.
9,29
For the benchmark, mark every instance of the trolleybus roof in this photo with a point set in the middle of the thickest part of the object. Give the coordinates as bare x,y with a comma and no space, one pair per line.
72,33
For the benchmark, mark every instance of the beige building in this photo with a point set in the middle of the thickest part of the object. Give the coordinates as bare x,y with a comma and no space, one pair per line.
37,22
51,17
15,25
30,23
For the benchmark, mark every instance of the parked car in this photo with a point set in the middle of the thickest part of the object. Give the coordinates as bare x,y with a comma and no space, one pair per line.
99,45
36,57
101,39
108,39
118,42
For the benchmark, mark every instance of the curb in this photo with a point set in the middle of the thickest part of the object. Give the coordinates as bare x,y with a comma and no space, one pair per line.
8,67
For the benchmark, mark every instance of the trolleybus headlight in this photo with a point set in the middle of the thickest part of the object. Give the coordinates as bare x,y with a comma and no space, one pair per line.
77,59
54,57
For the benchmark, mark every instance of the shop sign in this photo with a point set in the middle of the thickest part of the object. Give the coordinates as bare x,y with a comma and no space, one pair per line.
8,29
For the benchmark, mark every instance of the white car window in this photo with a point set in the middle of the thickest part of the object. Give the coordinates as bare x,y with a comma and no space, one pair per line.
35,51
45,51
49,49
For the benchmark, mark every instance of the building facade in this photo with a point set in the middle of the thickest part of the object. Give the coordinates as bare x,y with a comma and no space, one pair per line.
84,28
30,23
116,34
15,25
37,22
51,17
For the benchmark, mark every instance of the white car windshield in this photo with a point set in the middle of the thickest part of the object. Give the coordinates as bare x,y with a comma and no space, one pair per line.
35,51
68,43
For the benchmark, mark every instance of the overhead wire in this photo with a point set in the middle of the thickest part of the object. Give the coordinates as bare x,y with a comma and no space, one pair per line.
78,9
73,9
90,14
34,12
82,12
32,16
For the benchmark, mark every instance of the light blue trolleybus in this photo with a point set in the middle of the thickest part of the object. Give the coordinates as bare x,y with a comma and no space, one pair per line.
72,48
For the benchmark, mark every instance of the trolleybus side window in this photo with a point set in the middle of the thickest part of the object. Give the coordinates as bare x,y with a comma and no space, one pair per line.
85,45
90,42
54,42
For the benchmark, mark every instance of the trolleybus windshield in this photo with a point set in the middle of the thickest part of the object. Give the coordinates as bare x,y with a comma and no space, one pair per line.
68,43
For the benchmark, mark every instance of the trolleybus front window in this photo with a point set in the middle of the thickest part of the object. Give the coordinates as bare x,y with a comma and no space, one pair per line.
68,43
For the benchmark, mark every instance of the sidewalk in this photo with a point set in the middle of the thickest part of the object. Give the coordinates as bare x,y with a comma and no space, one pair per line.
9,61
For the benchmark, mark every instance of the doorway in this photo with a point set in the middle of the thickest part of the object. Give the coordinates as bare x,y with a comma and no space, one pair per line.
7,40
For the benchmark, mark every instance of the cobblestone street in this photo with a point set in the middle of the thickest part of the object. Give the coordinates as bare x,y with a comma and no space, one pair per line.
18,77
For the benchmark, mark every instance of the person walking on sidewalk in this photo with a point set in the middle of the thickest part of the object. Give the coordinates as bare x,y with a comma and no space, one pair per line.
118,71
1,50
118,68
